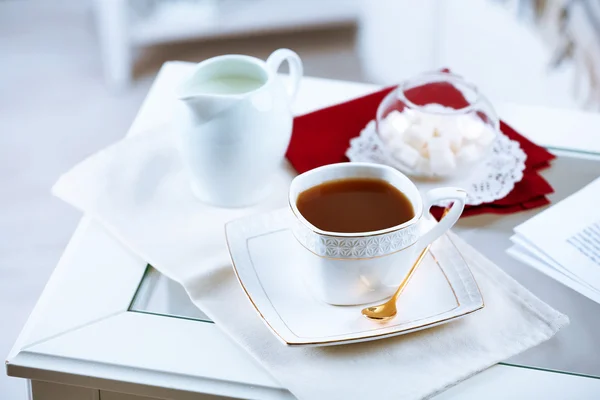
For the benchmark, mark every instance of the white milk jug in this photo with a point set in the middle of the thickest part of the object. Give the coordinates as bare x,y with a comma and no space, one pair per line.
235,124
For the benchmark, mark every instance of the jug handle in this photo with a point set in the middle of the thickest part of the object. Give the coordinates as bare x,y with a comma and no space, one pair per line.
274,62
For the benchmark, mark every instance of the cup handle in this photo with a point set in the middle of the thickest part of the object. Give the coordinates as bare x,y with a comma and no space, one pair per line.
274,62
459,196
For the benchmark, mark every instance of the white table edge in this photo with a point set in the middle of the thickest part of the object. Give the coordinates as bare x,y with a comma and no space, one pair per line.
48,359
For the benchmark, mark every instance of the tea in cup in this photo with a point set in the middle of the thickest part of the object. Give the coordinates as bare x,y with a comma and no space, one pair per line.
366,223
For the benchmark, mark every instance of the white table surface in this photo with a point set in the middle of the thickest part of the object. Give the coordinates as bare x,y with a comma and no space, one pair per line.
81,332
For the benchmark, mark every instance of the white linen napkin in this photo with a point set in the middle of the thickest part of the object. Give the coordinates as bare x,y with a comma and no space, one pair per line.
138,189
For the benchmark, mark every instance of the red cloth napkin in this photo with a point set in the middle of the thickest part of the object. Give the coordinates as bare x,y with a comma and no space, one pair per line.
322,137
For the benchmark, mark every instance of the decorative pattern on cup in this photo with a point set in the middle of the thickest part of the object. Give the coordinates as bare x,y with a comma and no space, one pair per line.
359,247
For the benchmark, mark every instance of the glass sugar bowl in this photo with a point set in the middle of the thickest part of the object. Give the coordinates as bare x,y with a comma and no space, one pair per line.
436,125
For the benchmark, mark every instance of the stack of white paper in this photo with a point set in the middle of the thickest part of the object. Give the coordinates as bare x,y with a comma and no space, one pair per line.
563,242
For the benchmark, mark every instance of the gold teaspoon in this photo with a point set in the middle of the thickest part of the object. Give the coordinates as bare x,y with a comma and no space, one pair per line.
388,309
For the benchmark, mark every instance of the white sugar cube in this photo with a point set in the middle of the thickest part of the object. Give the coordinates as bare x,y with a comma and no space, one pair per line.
416,116
431,122
418,134
398,121
411,115
448,128
471,127
393,114
423,166
441,157
486,138
396,142
386,131
406,155
436,108
468,154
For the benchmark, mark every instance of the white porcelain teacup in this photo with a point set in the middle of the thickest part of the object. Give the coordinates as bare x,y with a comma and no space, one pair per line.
358,268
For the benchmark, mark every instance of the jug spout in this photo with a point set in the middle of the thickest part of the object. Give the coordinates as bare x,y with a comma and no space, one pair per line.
221,82
205,107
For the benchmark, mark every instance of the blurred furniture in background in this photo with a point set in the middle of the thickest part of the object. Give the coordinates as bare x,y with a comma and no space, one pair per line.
125,25
482,40
542,52
572,29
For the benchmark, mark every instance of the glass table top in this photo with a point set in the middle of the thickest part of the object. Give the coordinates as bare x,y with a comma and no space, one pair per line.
575,349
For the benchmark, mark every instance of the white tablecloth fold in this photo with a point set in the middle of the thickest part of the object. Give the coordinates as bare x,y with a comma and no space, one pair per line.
139,190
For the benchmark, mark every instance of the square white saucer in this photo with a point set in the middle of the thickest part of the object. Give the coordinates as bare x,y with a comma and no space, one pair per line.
267,260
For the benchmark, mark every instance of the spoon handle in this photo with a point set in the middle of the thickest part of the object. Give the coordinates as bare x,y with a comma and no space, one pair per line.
412,270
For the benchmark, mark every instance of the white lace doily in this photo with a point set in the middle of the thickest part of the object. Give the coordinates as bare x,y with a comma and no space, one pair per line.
491,180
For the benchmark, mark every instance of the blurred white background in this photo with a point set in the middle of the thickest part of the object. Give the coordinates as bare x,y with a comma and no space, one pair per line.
73,74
